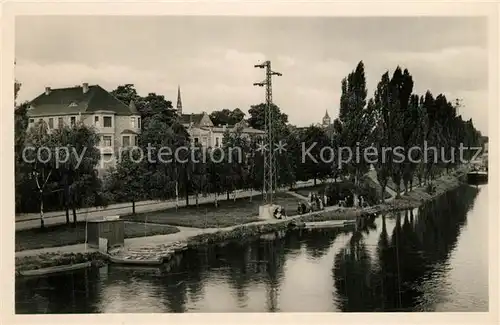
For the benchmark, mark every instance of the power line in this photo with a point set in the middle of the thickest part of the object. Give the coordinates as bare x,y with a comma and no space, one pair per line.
268,152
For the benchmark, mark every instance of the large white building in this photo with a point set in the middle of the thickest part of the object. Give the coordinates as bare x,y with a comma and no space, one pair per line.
117,124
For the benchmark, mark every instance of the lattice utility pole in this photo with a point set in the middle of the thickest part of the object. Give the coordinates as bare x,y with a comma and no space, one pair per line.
268,151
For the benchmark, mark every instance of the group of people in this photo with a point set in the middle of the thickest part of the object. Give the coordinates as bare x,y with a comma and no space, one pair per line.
348,201
318,202
279,213
315,203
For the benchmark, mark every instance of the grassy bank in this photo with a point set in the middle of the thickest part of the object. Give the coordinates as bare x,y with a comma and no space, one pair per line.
56,259
411,200
228,213
64,235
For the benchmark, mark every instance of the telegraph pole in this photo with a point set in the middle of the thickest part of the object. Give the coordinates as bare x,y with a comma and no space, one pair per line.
268,148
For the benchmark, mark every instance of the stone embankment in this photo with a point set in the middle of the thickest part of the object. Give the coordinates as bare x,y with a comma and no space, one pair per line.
156,253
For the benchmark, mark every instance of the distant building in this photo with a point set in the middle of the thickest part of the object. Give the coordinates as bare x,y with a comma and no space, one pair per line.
117,124
326,120
202,130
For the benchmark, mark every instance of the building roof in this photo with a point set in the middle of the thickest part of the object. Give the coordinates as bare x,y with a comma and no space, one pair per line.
190,118
73,100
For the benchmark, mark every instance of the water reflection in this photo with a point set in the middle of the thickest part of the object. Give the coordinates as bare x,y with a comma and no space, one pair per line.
411,266
407,261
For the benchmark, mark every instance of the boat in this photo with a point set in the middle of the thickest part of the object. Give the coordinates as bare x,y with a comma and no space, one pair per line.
477,177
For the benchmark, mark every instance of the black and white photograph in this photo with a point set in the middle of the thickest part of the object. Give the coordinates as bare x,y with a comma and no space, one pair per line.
251,164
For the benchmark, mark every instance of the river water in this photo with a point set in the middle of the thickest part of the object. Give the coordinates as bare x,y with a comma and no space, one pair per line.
430,259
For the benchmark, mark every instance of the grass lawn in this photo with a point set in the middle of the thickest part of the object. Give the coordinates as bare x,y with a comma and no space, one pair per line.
304,191
229,213
62,235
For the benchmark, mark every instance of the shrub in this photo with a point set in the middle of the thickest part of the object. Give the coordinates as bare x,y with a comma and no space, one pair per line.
431,188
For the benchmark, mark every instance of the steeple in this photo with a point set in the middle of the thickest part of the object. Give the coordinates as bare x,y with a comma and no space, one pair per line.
179,101
326,119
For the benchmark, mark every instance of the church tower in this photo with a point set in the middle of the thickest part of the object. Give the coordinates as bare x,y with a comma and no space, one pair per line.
179,101
326,119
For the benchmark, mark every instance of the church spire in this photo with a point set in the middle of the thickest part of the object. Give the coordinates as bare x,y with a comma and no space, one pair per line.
326,119
179,101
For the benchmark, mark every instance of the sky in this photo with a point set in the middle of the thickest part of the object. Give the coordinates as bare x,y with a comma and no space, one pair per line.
212,58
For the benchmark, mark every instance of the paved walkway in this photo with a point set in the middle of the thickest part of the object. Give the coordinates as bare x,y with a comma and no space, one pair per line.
32,220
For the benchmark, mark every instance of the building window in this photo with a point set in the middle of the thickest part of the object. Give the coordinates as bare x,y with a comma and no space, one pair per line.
136,141
126,141
138,122
106,140
107,121
132,122
32,120
73,120
51,122
217,141
60,122
40,120
96,121
196,140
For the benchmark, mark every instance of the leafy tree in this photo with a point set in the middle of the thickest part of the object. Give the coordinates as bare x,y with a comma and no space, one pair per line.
257,116
401,87
215,169
356,119
236,148
227,116
317,168
199,172
127,182
41,163
383,131
77,170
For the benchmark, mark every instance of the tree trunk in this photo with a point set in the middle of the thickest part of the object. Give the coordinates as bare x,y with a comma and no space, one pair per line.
187,196
227,193
42,222
196,198
215,202
74,215
66,199
133,207
176,195
384,185
315,181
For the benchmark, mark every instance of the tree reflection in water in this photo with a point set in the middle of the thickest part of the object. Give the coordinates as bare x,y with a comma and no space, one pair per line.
403,260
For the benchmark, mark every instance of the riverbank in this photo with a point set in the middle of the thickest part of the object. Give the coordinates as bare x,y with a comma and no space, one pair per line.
155,250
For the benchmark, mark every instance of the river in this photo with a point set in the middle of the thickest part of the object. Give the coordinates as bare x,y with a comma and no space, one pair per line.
430,259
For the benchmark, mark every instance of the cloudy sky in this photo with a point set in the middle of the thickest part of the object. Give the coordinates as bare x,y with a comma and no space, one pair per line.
212,58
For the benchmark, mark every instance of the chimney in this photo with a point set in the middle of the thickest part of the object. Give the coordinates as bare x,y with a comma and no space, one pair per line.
85,87
47,90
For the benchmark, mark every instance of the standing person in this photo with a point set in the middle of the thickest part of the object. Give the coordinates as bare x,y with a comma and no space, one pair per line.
325,199
310,197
